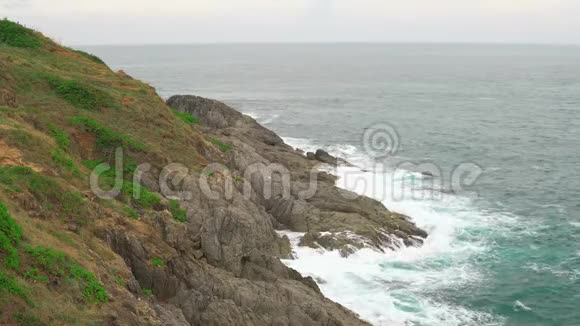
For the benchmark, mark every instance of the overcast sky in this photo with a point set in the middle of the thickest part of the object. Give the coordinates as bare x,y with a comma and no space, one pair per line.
81,22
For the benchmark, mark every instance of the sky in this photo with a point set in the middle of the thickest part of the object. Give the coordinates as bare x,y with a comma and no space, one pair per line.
88,22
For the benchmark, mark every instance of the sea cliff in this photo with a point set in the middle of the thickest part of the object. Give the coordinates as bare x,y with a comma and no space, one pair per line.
120,208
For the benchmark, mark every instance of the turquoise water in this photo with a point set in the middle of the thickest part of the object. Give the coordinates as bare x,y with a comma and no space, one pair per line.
508,256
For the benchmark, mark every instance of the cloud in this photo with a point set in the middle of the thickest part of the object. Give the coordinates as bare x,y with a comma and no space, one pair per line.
156,21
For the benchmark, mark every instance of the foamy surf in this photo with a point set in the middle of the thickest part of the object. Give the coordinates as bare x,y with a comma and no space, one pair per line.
403,287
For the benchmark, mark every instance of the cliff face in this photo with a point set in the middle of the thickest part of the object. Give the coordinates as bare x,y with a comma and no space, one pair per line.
198,248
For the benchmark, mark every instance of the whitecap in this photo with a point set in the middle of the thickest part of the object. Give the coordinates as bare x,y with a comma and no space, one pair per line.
401,287
519,306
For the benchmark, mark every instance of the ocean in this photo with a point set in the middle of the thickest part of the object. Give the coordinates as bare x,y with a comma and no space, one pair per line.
504,249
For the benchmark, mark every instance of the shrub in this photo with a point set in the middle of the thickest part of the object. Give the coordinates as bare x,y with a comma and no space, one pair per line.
223,147
106,138
10,235
60,136
16,35
157,262
57,264
186,117
148,292
178,213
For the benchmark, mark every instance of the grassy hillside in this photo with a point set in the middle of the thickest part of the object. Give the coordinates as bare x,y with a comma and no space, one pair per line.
62,112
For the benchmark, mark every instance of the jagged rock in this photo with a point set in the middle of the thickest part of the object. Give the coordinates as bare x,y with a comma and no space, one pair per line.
324,157
325,208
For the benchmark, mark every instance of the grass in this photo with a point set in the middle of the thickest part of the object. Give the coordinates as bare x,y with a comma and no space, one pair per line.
178,213
60,136
35,276
56,264
80,95
89,56
8,285
131,192
140,196
106,138
157,262
223,147
48,192
27,319
62,160
120,280
148,292
188,118
129,211
16,35
10,235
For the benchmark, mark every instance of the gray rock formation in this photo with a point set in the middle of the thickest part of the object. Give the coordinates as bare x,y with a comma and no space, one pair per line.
222,266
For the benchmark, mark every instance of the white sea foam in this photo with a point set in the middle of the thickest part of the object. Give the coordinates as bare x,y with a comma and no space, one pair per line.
407,286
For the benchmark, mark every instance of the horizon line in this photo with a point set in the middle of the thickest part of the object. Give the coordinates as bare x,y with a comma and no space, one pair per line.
469,43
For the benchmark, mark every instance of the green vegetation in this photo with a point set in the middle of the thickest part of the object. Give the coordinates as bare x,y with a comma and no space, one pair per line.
16,35
27,319
129,211
148,292
58,265
10,286
80,95
119,280
223,147
62,160
64,238
60,136
106,138
47,191
35,275
132,192
10,235
89,56
178,213
186,117
140,196
157,262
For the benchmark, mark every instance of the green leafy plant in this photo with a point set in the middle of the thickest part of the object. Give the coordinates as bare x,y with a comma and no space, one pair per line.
81,95
58,265
9,285
129,211
46,190
10,235
60,136
62,160
35,275
106,138
178,213
223,147
16,35
157,262
186,117
147,292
